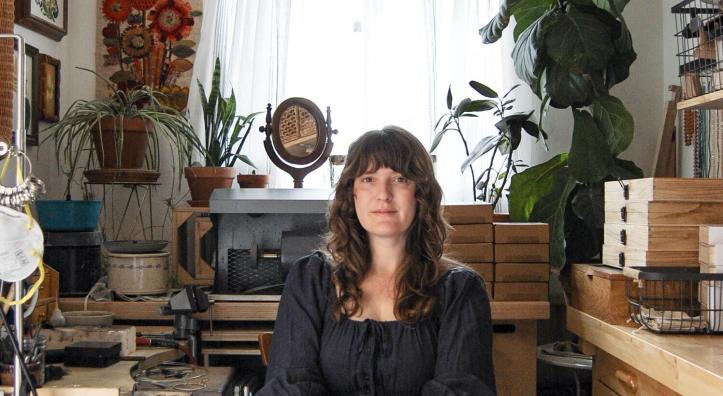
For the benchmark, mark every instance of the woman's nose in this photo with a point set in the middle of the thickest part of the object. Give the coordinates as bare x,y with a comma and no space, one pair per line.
384,191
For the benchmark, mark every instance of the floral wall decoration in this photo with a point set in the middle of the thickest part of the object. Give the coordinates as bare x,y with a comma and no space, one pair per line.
147,43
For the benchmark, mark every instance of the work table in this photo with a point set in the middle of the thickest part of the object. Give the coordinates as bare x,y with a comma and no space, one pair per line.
686,364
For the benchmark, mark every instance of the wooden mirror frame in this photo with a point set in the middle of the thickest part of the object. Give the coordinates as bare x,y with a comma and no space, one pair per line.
298,167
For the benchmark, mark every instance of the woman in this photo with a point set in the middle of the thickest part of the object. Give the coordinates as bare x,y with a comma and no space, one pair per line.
382,312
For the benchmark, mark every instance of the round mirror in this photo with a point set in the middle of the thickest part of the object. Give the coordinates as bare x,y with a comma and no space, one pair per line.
298,131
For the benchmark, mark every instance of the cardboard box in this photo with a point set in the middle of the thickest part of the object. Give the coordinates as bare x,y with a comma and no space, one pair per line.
521,291
600,291
485,270
522,272
471,233
522,233
473,213
470,252
522,253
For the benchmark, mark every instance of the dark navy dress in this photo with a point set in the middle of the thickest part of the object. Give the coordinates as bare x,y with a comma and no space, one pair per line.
448,353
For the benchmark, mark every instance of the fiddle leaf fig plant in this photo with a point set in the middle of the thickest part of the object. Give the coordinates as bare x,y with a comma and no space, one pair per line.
491,183
570,53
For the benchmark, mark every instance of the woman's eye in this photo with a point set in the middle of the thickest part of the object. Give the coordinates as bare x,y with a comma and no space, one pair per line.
366,179
401,179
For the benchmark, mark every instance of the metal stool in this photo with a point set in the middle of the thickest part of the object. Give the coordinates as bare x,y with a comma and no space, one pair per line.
560,354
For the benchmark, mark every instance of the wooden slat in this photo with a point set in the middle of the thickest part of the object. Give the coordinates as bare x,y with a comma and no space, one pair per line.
653,237
713,100
522,233
687,364
478,213
648,258
666,188
237,335
470,233
664,212
232,351
522,252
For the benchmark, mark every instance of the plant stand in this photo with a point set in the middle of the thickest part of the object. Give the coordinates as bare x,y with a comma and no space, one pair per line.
139,195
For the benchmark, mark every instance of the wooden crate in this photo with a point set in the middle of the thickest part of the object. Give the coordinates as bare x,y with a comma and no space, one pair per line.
663,212
471,233
48,293
476,213
522,253
659,189
470,252
522,233
710,255
616,256
522,272
600,291
190,225
485,270
521,291
652,237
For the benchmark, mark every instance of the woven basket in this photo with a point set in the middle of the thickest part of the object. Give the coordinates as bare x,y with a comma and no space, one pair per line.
7,71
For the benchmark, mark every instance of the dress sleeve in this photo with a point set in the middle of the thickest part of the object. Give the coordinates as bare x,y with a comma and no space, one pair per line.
294,355
464,347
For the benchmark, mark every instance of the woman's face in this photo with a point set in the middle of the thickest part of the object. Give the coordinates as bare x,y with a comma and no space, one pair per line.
385,204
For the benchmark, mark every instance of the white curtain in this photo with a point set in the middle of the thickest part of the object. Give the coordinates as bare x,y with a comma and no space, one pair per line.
374,62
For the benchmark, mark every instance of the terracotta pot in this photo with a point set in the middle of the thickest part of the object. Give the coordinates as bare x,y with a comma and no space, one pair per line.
134,135
203,180
252,181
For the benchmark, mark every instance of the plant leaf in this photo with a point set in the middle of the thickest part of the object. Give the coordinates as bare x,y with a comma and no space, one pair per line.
482,147
462,107
624,55
589,204
492,31
437,139
449,98
528,186
527,50
483,90
578,41
590,158
624,170
526,12
566,88
614,7
550,209
614,121
480,105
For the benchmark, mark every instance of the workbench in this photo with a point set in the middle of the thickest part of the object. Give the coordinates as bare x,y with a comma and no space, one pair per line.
514,340
637,361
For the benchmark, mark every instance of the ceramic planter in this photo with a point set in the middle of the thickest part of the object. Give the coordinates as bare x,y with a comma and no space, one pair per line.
203,180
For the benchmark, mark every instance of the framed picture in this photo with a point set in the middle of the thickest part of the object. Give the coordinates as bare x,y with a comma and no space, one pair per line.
47,17
32,95
49,70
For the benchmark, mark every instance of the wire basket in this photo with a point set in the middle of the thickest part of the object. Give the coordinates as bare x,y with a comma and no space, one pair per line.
675,299
699,38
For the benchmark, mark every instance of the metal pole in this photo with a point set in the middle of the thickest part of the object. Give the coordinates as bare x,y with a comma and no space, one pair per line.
20,145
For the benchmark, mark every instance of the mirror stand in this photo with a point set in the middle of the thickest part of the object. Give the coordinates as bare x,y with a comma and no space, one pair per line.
298,138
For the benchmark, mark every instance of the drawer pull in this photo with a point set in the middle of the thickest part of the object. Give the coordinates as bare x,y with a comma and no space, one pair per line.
627,379
621,259
626,191
624,214
623,237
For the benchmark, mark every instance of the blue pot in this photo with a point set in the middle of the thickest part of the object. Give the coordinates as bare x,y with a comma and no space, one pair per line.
62,215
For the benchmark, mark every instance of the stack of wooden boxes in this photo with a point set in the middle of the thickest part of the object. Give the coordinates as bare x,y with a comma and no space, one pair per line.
471,240
522,261
654,221
711,261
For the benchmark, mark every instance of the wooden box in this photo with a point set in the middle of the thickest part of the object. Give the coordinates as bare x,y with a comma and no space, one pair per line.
190,225
619,378
61,337
711,234
623,257
522,272
521,291
470,233
522,233
485,270
664,212
710,255
600,291
470,252
522,252
652,237
468,213
48,293
661,189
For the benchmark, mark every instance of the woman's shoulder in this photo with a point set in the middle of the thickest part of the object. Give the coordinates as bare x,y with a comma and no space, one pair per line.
312,270
459,280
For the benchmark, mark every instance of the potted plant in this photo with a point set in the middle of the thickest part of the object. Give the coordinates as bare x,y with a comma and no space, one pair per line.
225,134
570,53
493,179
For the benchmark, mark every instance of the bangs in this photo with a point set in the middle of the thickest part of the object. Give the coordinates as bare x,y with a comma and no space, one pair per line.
384,150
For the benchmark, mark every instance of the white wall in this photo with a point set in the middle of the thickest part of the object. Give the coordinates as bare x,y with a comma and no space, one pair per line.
75,49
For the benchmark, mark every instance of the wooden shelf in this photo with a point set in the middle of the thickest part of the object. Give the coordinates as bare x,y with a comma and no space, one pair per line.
266,311
713,100
687,364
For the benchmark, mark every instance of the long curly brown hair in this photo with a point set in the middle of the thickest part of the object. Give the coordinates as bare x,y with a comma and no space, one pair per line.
347,241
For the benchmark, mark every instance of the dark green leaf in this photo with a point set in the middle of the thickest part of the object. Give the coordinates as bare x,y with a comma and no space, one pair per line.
483,90
590,158
437,139
614,7
462,107
186,43
624,170
578,41
531,129
526,12
550,209
515,135
510,91
449,98
566,88
619,67
614,121
182,51
589,204
196,13
527,187
528,48
485,144
480,105
508,102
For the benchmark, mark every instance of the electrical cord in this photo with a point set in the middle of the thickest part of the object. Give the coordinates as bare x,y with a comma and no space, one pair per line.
23,367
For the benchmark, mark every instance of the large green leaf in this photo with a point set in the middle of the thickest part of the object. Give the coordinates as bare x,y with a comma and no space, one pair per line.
550,209
614,7
480,105
619,67
578,40
526,12
624,170
566,88
485,144
589,204
492,31
483,90
590,158
614,121
528,48
528,186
